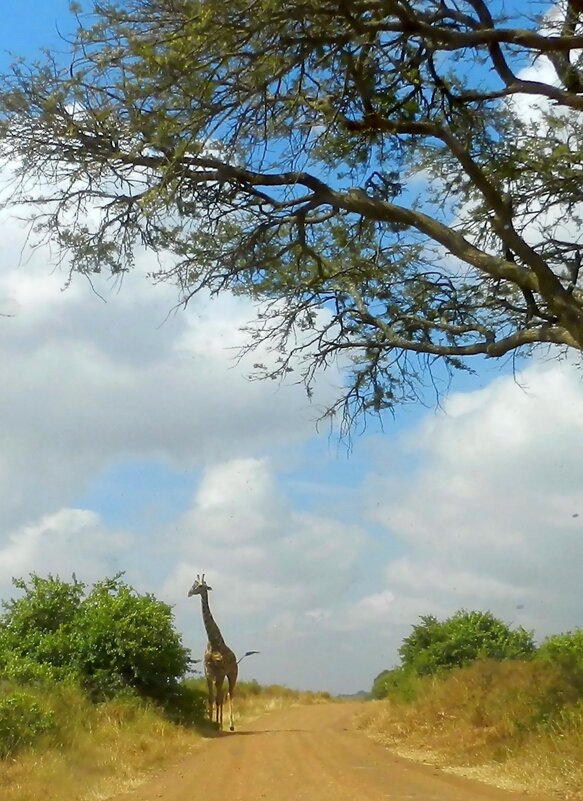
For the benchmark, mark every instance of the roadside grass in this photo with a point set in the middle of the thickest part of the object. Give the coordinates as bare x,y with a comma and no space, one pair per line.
90,751
72,749
253,699
516,724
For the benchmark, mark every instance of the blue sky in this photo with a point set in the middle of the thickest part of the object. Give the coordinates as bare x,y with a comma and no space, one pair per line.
159,458
29,25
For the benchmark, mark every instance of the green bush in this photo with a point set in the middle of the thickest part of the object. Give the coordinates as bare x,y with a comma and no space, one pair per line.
379,687
127,640
398,683
566,651
246,688
109,639
24,669
186,704
436,645
22,721
37,627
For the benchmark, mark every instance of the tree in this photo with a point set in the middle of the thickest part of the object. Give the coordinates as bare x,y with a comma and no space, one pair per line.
566,651
379,687
363,171
435,645
109,638
395,683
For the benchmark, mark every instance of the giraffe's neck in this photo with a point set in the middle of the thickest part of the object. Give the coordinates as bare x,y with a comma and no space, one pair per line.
212,630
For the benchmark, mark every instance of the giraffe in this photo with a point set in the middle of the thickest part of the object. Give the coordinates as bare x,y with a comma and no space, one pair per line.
219,660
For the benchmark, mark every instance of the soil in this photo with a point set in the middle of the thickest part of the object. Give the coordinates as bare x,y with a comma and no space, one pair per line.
310,753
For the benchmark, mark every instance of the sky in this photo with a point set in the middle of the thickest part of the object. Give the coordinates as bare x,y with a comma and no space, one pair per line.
131,440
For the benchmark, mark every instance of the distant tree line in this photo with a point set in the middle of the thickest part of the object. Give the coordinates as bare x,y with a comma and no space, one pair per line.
436,646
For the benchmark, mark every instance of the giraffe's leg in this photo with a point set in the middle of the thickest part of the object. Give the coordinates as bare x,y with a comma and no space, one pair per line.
231,721
232,681
219,713
211,697
219,701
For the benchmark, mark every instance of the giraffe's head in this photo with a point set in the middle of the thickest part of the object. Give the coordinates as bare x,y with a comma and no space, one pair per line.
199,587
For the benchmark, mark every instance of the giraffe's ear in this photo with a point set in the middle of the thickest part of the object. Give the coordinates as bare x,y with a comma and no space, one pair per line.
208,588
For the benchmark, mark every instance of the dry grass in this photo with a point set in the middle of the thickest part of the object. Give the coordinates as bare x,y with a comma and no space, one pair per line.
94,752
253,700
97,751
513,724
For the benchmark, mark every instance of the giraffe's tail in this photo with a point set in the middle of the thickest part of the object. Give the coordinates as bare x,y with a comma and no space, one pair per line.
248,653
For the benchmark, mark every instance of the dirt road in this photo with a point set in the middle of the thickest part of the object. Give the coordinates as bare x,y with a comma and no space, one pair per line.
310,753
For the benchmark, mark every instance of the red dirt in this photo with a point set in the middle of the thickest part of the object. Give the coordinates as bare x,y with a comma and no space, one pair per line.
310,753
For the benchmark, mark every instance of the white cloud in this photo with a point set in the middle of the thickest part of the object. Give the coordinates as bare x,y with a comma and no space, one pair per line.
318,614
406,574
69,541
531,108
267,553
87,384
474,508
280,576
490,516
372,609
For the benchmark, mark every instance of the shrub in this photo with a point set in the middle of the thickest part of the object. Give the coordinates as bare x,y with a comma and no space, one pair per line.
109,639
379,685
124,639
186,704
566,651
398,684
245,688
25,669
38,625
22,721
484,710
459,640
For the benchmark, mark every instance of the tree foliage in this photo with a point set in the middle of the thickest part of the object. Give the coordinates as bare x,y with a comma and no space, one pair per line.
398,683
461,639
109,638
566,650
371,173
22,721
